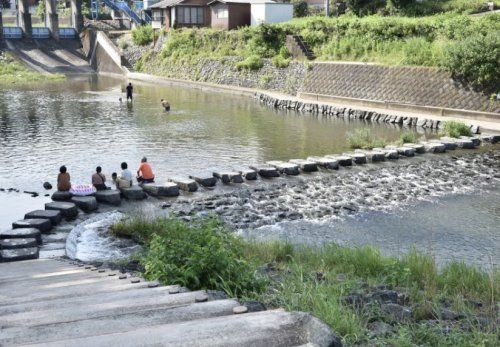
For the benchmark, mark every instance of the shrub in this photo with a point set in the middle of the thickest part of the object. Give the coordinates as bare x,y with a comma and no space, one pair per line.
280,62
253,63
299,8
363,138
408,137
456,129
475,61
142,35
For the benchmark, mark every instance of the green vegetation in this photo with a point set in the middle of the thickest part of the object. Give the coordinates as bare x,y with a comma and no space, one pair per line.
253,63
456,129
12,71
408,137
142,35
363,138
204,254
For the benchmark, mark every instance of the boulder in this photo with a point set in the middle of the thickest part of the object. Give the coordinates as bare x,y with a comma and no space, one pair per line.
7,255
249,174
305,165
168,189
85,203
185,184
283,167
44,225
54,216
68,209
108,196
205,179
133,193
266,171
229,176
327,163
23,233
61,196
18,243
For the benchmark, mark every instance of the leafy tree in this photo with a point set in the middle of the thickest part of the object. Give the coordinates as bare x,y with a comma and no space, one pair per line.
299,8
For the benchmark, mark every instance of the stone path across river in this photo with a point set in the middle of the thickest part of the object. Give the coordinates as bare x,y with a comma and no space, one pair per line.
60,303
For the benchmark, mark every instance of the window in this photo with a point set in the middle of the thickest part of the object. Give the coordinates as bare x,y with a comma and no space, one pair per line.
190,15
221,12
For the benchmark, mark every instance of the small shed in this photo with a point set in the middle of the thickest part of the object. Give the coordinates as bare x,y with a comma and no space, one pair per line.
267,11
230,14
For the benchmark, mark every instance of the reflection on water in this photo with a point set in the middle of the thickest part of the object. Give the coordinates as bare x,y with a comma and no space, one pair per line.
81,123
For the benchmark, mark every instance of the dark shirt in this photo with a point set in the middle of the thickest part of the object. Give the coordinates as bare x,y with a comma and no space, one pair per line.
129,90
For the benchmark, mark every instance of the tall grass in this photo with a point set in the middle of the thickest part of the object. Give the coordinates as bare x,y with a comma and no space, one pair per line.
456,129
363,138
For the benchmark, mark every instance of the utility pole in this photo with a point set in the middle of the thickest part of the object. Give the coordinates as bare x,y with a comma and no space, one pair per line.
327,8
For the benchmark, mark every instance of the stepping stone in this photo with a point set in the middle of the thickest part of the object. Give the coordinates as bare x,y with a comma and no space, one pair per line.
108,196
476,141
374,155
85,203
54,216
185,184
7,255
18,243
168,189
240,309
23,233
327,163
406,151
343,160
44,225
61,196
249,175
287,168
358,158
449,143
391,154
305,165
490,138
133,193
205,179
419,148
229,176
68,209
434,147
266,171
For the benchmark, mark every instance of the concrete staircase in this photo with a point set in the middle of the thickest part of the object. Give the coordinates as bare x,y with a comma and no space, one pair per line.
298,47
58,303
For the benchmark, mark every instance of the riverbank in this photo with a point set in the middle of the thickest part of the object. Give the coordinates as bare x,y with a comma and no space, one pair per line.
363,296
12,71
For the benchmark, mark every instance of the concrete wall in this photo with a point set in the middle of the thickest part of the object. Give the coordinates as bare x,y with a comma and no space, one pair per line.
102,54
418,86
271,13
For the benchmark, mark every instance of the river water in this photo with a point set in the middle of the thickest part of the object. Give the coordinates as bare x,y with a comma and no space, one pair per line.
81,123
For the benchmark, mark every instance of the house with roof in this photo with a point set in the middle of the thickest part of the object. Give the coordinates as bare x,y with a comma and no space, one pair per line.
180,13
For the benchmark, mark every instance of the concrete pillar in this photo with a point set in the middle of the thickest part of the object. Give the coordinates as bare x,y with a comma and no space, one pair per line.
1,26
25,18
51,18
76,15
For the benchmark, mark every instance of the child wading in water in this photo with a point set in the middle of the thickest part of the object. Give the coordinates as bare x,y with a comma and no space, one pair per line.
165,105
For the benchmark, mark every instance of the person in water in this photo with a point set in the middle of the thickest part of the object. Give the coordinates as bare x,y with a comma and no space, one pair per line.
145,173
125,178
63,180
165,104
98,179
130,91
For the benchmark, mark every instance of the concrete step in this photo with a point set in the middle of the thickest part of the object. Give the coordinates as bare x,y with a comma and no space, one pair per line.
265,171
305,165
21,233
68,209
283,167
44,225
268,328
18,243
186,184
109,196
85,203
168,189
54,216
9,255
205,179
115,323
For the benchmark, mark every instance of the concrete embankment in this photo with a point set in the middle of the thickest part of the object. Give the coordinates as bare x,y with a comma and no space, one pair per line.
60,303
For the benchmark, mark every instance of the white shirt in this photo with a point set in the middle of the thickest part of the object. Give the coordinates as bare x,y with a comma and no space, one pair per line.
126,175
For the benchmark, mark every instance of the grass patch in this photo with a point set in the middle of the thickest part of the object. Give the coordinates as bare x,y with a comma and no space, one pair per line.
408,137
252,63
363,138
142,35
455,129
205,254
12,71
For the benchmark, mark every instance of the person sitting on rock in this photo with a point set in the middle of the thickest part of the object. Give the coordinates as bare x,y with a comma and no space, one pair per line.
165,105
63,180
126,175
98,179
145,173
119,183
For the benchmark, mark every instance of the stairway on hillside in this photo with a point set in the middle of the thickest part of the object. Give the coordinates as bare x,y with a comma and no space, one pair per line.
298,47
60,303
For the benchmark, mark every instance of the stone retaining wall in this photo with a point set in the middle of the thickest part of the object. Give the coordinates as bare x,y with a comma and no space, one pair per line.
408,85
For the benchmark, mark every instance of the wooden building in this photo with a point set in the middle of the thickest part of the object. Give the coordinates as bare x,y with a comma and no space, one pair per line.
180,13
230,14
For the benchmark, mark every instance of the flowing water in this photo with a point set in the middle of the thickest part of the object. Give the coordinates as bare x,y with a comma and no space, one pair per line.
81,123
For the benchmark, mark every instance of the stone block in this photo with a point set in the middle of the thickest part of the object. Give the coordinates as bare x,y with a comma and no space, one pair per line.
265,171
343,160
249,174
476,141
85,203
133,193
44,225
54,216
434,147
229,176
108,196
406,151
283,167
305,165
419,148
168,189
19,254
18,243
185,184
68,209
61,196
449,143
357,157
490,138
465,143
327,163
205,179
23,233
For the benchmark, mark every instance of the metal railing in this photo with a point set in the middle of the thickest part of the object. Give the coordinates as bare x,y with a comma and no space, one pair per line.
12,32
40,33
